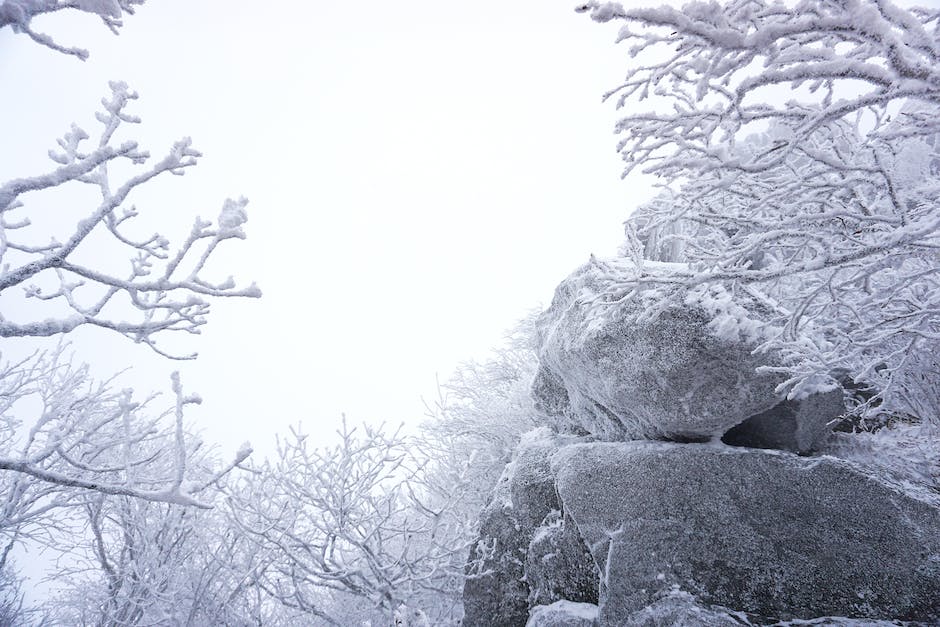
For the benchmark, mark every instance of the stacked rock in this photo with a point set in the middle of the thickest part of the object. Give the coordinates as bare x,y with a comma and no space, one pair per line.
685,486
686,372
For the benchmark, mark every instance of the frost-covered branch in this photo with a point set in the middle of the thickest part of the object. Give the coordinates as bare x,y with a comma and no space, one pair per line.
711,67
141,562
87,436
164,288
799,149
481,411
18,15
363,517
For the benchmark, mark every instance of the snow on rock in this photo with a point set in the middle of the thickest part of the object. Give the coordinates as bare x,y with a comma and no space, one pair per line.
563,614
676,608
764,532
619,361
499,595
406,616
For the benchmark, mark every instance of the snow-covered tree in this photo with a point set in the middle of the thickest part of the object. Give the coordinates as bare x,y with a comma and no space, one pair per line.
15,610
93,267
482,410
84,434
67,441
362,518
798,144
139,562
107,479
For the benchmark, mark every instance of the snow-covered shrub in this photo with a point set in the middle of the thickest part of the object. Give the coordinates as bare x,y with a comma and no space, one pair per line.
482,411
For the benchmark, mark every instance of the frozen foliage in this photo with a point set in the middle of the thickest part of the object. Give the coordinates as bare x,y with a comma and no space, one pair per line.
768,533
18,14
163,289
12,596
117,489
109,481
799,146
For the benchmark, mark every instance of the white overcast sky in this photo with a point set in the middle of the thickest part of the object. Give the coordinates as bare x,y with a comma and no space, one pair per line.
420,174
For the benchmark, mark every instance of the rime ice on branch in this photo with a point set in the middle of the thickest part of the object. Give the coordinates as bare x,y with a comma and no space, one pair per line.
367,517
18,14
156,292
799,145
85,439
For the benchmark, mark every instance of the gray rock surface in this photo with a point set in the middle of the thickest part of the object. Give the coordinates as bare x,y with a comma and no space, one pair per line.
501,596
558,566
763,532
801,426
523,498
680,609
563,614
611,368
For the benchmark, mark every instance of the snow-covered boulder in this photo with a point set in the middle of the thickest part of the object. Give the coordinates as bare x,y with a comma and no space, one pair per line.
558,566
522,499
763,532
563,614
617,362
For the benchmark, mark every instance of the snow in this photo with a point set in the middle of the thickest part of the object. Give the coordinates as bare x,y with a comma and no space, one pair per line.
586,611
618,280
626,350
244,451
730,321
839,621
556,521
814,384
665,610
233,214
105,8
569,611
538,436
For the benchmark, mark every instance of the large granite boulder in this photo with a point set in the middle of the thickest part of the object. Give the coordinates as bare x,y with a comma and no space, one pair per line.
619,361
763,532
523,498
